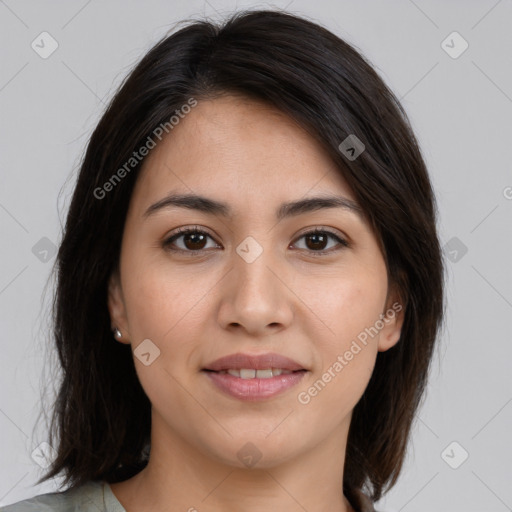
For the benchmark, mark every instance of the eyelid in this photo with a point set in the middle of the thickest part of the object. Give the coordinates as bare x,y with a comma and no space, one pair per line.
341,239
166,243
323,229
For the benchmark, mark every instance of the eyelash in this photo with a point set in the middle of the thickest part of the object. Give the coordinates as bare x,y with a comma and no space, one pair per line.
185,231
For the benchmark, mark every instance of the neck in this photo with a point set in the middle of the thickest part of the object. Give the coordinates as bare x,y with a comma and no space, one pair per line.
180,476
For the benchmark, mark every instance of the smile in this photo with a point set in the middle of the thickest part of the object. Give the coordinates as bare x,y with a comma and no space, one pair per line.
250,373
254,385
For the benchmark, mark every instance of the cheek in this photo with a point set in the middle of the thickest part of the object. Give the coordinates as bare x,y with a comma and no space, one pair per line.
160,300
347,352
166,309
170,308
347,303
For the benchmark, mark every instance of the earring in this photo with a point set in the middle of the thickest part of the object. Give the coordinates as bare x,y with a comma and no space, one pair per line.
117,333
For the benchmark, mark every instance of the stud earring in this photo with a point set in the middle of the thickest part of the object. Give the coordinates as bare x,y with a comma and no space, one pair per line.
117,333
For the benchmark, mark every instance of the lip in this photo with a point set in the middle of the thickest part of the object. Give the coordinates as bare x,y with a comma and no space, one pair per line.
254,389
256,362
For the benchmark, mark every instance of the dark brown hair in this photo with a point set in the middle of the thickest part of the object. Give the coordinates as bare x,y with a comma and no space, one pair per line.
101,416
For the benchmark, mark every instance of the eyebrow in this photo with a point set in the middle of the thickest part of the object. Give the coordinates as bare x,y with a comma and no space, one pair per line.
288,209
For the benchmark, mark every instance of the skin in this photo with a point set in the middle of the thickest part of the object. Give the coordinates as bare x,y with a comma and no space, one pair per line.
198,308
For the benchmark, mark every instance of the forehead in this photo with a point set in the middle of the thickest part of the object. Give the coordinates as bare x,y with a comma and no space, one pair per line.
242,151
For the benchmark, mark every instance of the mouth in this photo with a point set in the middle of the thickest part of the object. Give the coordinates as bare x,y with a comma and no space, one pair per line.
266,362
254,377
251,373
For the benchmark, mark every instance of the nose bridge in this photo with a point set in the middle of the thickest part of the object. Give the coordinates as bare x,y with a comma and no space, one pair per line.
252,262
255,298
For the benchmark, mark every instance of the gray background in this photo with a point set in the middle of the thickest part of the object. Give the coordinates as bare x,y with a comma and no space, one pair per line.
460,109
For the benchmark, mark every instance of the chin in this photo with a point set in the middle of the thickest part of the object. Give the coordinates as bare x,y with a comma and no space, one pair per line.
256,449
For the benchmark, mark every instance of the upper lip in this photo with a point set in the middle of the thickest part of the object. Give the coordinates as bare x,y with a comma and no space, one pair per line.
256,362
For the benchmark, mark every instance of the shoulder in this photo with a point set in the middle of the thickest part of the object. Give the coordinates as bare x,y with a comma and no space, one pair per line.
85,498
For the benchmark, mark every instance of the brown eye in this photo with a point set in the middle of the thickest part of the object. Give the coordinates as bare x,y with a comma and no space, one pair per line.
318,240
190,240
193,240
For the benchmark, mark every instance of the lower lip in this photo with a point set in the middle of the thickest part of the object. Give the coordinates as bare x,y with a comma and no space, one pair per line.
254,389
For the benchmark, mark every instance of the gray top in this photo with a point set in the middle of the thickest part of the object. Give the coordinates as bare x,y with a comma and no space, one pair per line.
97,496
93,496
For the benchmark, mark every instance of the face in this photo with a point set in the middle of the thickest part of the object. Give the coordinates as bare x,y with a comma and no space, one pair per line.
249,282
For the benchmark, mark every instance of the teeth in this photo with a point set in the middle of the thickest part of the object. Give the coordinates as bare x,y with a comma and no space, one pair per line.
246,373
249,374
263,374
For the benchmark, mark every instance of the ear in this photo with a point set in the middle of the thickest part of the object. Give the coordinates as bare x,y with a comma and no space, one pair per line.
116,307
393,318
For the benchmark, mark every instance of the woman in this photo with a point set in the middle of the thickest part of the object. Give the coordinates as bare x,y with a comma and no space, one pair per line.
250,283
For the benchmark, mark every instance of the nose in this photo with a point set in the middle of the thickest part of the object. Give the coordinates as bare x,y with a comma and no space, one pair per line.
255,298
